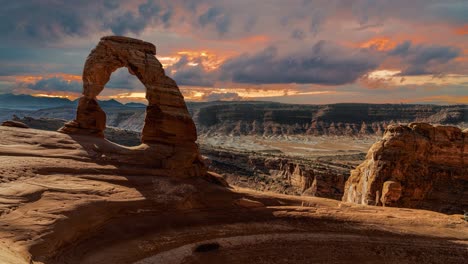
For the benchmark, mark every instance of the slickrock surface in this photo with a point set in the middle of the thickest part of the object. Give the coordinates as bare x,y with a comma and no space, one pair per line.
168,126
80,199
415,166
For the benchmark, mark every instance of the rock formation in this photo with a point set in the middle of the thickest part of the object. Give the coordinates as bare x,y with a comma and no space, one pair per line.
62,200
167,118
169,131
267,119
14,123
275,119
416,166
279,174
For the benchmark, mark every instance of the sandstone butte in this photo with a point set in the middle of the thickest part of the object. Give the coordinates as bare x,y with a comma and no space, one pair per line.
414,166
76,197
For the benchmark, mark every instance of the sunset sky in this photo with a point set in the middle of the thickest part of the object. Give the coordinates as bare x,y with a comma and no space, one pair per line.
294,51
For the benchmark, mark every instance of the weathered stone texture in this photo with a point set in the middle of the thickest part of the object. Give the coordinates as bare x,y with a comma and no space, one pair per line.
415,166
168,124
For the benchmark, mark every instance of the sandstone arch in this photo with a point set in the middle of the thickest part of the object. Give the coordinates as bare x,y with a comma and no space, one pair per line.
168,126
167,117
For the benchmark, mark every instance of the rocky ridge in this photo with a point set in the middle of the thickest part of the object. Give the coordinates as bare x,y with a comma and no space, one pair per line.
278,120
274,119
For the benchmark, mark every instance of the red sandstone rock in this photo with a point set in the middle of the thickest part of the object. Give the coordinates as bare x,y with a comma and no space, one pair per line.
80,199
391,192
167,118
416,166
169,130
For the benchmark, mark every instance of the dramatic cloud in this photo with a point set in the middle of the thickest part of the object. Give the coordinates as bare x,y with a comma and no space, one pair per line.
424,59
43,20
216,17
148,13
191,73
266,47
221,97
55,84
323,63
122,79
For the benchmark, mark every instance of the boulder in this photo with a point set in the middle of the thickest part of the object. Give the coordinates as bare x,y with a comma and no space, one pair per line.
416,166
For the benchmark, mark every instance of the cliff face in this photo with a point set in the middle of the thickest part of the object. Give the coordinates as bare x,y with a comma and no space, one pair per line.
275,119
279,174
414,166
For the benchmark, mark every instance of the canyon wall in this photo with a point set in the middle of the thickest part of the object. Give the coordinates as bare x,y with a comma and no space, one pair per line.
288,175
274,119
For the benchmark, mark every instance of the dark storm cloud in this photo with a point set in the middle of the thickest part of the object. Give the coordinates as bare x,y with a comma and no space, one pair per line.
130,22
35,37
46,20
455,11
56,84
298,34
321,64
191,75
49,21
424,59
217,17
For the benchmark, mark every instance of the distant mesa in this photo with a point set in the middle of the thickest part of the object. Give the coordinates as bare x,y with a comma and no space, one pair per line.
168,124
414,166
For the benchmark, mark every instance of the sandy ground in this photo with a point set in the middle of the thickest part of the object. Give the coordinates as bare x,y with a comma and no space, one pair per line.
59,203
301,146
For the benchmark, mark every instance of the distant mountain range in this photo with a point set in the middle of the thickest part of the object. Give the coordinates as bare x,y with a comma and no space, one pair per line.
29,102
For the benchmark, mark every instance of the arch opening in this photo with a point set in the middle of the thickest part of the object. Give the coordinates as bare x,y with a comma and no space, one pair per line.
123,122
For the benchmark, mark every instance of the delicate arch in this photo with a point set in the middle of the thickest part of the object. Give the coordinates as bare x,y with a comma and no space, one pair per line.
167,118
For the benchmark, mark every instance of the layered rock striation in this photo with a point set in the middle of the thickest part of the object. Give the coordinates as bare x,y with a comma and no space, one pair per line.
415,166
275,119
169,133
278,174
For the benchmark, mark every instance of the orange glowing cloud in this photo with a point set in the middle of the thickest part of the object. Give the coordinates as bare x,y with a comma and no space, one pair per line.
22,82
255,39
55,95
35,78
198,93
379,43
210,60
462,30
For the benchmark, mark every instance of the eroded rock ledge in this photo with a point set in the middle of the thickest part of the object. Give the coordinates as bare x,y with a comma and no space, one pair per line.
415,166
